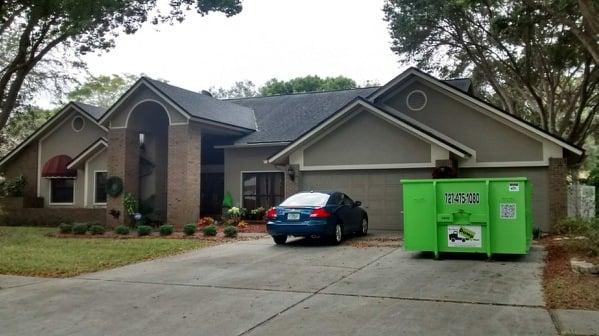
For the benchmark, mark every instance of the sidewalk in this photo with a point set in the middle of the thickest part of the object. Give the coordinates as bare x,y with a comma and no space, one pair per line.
577,322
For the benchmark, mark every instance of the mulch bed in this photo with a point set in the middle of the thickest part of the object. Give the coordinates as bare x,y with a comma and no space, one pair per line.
250,229
564,288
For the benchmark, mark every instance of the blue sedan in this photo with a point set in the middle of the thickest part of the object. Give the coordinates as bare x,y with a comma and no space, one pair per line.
324,214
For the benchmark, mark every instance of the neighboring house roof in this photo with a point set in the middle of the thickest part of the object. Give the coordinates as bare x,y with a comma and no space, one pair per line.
195,105
89,111
284,118
477,101
350,106
94,111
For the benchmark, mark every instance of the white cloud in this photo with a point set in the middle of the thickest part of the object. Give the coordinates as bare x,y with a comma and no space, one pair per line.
269,38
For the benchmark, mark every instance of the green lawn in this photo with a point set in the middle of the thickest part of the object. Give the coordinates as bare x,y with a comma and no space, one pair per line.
28,251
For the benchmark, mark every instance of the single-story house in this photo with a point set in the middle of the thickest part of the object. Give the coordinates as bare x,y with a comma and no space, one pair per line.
180,151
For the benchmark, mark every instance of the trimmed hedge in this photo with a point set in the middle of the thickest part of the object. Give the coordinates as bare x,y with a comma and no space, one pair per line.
166,229
65,228
144,230
121,229
97,229
230,231
80,228
209,230
189,229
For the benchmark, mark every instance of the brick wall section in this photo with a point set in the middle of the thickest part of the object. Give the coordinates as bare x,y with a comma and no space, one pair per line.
558,195
292,186
122,161
184,171
24,163
51,216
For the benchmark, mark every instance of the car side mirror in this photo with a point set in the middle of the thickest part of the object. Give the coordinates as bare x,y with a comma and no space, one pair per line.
357,203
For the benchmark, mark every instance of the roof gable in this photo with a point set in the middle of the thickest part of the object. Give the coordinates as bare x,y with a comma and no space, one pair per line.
516,121
351,106
193,105
88,111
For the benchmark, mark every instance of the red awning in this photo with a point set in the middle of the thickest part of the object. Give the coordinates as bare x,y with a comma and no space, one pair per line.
57,167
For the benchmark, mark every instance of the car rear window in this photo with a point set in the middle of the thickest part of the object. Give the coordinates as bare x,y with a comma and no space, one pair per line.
314,199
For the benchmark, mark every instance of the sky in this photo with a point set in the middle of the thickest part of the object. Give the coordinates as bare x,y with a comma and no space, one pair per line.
269,38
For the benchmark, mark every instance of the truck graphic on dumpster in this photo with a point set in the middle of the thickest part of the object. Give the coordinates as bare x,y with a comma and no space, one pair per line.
462,234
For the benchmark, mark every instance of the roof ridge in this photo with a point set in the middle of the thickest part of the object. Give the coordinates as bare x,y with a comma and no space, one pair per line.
302,93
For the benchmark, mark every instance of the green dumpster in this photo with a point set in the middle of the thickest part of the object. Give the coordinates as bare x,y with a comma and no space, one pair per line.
468,215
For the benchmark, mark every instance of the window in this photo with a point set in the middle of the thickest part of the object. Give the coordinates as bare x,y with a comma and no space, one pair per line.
312,199
100,187
347,201
77,124
262,189
62,190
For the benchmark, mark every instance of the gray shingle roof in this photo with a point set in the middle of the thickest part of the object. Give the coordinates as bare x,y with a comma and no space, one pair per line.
462,84
95,111
206,107
286,117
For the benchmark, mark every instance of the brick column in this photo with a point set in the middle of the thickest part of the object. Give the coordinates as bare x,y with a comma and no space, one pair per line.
184,168
558,190
123,161
292,186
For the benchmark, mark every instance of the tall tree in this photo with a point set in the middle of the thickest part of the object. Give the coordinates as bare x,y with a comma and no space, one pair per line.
521,55
21,124
240,89
102,90
580,16
306,84
31,30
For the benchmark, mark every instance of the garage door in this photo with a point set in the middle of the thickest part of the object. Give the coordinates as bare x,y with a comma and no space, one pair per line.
379,190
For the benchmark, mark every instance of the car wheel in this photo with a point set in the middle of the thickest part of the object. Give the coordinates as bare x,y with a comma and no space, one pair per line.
452,240
364,227
463,240
279,240
337,235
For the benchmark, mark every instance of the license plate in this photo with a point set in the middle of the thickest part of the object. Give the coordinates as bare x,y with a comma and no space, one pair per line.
293,216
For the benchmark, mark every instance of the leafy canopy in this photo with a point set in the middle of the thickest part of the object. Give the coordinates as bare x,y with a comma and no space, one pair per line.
308,83
36,36
102,90
521,55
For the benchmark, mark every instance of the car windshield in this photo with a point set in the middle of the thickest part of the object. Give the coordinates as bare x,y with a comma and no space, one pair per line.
313,199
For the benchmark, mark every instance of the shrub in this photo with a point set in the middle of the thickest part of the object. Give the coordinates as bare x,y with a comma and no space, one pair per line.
231,221
572,226
13,187
121,229
65,228
166,229
230,231
209,230
242,225
589,228
97,229
206,221
189,229
80,228
144,230
258,213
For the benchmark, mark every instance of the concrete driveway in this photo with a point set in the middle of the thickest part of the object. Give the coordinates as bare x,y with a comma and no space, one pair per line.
257,288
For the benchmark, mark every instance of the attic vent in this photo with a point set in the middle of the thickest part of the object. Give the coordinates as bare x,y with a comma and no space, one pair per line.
206,93
416,100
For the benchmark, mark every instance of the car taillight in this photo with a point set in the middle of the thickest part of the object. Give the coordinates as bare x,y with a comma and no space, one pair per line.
271,213
320,213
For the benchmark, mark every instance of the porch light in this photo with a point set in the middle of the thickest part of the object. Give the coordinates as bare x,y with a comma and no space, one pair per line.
291,173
